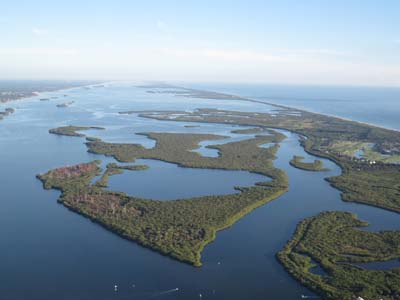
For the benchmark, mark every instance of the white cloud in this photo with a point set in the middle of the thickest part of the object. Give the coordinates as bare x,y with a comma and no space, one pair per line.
38,51
222,54
278,56
325,52
161,25
39,31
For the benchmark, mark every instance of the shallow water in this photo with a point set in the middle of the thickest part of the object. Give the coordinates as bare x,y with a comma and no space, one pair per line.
49,252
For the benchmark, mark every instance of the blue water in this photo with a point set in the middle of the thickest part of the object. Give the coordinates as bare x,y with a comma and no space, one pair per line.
375,105
380,265
50,252
196,182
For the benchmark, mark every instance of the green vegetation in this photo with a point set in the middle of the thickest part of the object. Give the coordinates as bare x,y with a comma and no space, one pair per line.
332,240
114,169
316,165
321,136
179,228
368,151
71,130
377,184
248,130
128,167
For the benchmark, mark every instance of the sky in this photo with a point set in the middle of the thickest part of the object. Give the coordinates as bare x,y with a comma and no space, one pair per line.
324,42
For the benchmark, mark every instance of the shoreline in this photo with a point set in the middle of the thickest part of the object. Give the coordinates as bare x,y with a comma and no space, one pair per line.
267,102
40,93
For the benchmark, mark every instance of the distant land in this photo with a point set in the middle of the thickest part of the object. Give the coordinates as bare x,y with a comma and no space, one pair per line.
11,90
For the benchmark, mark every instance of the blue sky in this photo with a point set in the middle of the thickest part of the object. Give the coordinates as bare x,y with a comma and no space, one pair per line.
304,42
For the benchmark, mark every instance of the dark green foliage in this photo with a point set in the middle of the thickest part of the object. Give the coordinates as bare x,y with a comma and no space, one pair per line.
316,165
179,228
361,181
377,185
114,169
175,148
333,240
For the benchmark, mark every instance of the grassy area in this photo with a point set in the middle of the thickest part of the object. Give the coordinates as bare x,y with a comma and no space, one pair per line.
367,150
183,227
334,241
316,165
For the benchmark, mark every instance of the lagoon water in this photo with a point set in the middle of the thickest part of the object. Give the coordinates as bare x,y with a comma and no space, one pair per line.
49,252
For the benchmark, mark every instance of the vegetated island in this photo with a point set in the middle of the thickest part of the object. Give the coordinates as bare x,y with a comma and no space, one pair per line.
333,241
114,169
248,130
316,165
72,130
181,228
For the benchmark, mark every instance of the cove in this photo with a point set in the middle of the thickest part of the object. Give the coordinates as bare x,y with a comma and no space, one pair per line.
167,181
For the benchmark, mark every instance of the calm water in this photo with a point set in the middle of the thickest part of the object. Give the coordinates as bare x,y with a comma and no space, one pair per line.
197,182
375,105
49,252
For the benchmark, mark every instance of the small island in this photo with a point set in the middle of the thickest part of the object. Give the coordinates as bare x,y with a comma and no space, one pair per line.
71,130
316,165
248,130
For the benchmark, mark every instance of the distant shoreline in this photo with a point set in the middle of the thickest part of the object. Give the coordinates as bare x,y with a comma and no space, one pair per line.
22,95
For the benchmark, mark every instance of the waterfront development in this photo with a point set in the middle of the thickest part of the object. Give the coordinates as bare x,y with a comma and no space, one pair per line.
138,159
